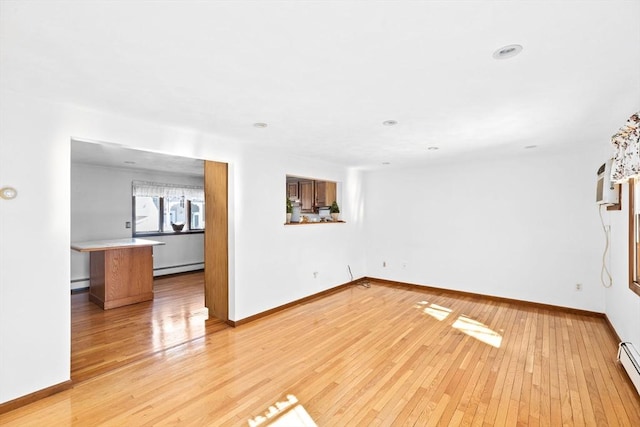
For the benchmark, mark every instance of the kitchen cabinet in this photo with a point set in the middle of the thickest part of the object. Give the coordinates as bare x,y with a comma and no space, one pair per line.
121,271
325,193
292,190
306,194
310,194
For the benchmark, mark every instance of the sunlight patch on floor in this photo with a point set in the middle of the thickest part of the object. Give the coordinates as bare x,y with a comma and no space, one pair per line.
285,413
465,324
434,310
165,330
478,330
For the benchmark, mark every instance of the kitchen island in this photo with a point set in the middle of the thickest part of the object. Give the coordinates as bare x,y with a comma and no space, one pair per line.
121,270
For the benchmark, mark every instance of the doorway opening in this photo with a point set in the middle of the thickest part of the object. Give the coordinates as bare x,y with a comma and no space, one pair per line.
101,208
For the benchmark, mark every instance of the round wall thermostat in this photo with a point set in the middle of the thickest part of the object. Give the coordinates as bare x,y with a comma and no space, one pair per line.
8,193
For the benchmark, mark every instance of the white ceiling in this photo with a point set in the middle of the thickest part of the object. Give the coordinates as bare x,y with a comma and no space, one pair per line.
325,75
115,156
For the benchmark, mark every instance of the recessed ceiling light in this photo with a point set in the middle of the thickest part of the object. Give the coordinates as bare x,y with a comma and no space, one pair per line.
260,125
129,162
433,148
390,123
8,193
528,147
507,51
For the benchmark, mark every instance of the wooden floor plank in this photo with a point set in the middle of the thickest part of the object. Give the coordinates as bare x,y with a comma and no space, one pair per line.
102,340
382,355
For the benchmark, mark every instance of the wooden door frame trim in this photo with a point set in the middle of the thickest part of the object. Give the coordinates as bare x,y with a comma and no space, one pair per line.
216,237
633,285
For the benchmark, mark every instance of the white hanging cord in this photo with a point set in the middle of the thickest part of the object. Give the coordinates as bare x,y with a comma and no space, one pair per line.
605,271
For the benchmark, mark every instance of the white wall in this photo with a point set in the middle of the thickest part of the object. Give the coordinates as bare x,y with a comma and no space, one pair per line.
266,268
524,227
100,207
280,260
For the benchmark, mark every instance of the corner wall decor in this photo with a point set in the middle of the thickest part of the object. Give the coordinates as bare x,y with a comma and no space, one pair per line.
626,145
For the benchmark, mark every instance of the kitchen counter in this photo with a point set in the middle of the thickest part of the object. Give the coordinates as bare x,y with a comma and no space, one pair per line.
315,223
121,270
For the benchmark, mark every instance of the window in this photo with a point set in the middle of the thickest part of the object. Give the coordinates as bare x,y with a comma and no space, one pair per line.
197,214
175,211
147,214
311,200
163,208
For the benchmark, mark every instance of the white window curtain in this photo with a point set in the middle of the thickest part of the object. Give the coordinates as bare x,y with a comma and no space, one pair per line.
626,145
155,189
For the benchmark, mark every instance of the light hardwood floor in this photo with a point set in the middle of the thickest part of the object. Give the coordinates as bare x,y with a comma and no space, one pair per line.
102,340
361,357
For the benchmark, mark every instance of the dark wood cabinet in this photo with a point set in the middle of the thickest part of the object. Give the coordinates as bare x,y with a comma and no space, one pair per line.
310,194
306,194
325,193
292,190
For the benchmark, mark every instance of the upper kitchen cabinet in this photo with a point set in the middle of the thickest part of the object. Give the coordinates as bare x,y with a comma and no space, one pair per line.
310,195
292,190
306,196
325,193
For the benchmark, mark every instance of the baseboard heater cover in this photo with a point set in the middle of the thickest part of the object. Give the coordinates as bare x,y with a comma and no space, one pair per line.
199,264
629,357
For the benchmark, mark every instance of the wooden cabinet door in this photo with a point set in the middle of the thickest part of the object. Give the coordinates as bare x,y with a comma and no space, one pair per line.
325,193
292,190
306,196
330,193
321,193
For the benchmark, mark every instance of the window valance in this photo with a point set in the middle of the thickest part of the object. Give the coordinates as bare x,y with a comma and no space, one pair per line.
626,145
155,189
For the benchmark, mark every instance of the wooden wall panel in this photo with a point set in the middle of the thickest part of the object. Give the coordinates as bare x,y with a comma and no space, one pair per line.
216,260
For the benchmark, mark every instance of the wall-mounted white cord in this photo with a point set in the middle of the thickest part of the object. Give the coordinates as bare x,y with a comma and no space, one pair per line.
605,271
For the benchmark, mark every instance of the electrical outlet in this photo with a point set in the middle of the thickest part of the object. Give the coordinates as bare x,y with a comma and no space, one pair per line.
384,263
315,274
127,224
578,286
404,264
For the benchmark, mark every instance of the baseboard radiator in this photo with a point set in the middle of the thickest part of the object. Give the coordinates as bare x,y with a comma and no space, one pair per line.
629,358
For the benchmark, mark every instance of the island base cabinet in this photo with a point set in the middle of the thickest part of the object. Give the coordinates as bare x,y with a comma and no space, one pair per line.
121,276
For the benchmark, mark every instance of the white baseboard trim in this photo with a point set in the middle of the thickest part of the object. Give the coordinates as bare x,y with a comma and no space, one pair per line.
163,271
